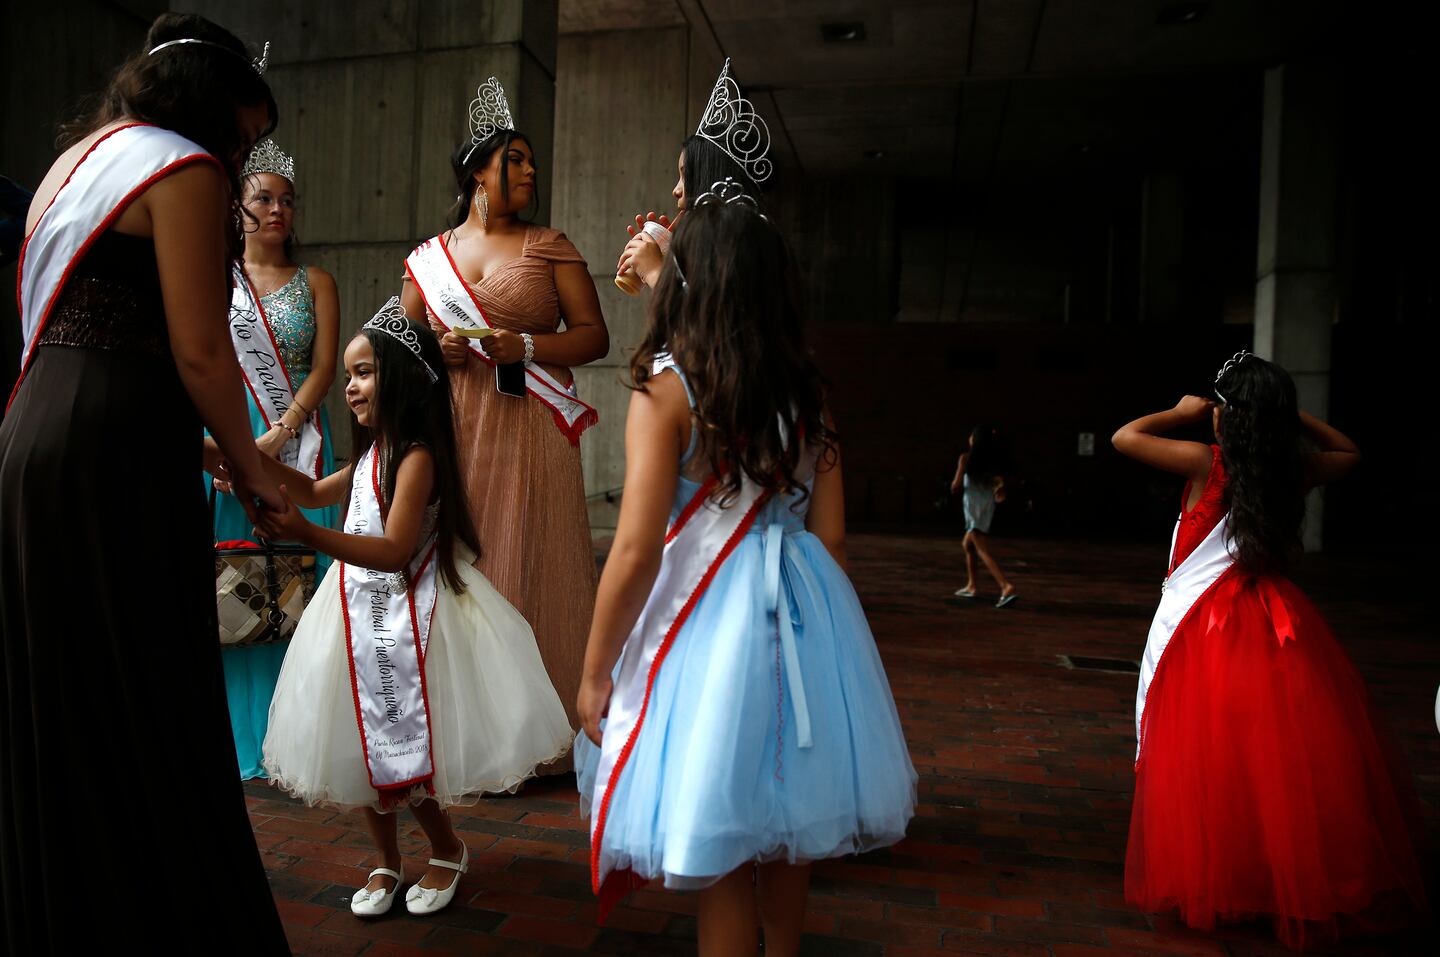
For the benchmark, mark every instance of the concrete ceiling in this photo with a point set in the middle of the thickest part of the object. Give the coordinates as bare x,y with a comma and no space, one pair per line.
972,89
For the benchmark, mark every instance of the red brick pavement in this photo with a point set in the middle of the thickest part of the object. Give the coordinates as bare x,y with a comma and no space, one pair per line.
1018,845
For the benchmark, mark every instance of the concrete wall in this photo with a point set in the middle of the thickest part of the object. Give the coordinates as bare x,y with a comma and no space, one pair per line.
374,96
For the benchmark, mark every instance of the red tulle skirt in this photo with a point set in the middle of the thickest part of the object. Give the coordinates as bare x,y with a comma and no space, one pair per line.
1264,787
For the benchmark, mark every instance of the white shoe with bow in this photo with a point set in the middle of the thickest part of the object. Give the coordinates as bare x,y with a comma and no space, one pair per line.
428,900
368,903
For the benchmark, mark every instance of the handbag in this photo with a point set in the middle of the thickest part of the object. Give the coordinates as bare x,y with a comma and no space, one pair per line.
260,589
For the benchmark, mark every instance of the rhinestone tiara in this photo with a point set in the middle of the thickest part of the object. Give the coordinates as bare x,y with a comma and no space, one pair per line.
489,113
259,64
267,157
392,321
731,123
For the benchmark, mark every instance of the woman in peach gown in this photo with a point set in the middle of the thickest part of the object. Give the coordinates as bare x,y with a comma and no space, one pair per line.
519,457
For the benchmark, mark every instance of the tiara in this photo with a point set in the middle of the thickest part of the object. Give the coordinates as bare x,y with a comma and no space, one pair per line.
489,114
1230,363
729,192
258,65
267,157
392,321
731,123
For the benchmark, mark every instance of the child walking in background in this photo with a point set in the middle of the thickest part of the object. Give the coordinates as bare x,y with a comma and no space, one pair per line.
978,476
750,726
1262,785
409,679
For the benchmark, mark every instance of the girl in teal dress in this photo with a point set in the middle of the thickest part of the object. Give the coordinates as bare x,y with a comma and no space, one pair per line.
302,308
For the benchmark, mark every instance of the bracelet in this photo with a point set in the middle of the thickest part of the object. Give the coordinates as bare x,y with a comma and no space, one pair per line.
294,434
304,412
529,346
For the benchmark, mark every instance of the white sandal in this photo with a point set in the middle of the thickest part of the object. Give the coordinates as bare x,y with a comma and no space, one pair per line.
374,903
428,900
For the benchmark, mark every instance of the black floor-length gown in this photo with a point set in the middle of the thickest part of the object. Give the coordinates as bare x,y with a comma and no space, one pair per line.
121,813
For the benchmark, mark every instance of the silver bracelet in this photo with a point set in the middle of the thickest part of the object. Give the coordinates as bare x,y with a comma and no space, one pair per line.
529,346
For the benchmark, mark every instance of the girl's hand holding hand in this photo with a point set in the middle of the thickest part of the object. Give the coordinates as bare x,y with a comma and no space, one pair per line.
504,347
643,255
593,704
454,348
284,523
1193,408
256,493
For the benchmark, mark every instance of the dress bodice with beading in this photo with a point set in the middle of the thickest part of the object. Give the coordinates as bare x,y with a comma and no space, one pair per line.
111,300
291,313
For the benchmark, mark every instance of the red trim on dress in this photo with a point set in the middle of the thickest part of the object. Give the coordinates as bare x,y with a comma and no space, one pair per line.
621,882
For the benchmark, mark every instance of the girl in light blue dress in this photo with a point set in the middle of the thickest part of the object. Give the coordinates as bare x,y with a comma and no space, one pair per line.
749,727
302,309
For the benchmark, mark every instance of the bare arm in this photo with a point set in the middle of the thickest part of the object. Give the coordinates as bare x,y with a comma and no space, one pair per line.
187,213
958,481
1335,456
1142,440
585,337
326,345
826,516
655,432
390,552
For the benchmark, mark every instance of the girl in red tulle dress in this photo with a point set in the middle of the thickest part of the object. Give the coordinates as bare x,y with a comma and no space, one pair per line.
1262,784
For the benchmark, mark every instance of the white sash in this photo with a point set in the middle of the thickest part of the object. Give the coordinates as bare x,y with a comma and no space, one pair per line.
118,167
266,376
451,301
696,545
1185,586
387,627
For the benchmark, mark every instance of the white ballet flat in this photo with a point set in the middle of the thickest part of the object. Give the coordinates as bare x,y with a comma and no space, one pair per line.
374,903
427,900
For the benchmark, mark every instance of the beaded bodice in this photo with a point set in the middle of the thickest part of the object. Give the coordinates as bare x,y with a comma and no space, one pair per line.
291,312
111,300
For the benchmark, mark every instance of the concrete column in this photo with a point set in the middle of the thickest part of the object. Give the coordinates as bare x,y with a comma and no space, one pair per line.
374,95
621,112
1162,245
1295,289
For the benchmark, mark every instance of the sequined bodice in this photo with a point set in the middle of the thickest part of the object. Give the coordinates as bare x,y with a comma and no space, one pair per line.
291,312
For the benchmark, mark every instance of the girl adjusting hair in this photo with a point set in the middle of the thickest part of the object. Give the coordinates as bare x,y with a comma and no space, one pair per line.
409,679
284,327
1246,700
750,725
122,286
980,479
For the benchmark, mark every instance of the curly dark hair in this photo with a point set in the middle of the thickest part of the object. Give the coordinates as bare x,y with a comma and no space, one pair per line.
1259,435
194,89
734,325
411,411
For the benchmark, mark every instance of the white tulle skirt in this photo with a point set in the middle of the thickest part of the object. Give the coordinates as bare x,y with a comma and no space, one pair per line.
494,716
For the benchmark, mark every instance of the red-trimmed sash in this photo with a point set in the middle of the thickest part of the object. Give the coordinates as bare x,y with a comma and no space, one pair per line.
1183,588
387,628
696,546
266,376
452,302
117,168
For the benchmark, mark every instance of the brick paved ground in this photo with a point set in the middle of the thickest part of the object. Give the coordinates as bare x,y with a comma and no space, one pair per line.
1025,786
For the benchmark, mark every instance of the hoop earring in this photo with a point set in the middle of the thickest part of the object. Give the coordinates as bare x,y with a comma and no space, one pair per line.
481,202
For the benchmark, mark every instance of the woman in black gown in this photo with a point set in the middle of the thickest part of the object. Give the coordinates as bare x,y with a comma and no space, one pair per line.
120,810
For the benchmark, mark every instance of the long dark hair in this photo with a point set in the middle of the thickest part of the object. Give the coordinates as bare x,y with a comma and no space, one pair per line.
734,325
465,162
193,89
985,461
1259,435
411,411
707,164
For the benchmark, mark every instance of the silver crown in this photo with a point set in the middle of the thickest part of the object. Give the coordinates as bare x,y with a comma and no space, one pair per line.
392,321
489,113
731,123
727,191
1232,362
258,65
267,157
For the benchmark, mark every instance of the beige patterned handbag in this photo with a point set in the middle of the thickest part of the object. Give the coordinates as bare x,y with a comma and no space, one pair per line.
261,590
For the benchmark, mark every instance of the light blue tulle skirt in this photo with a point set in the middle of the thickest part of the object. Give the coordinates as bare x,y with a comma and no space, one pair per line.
717,777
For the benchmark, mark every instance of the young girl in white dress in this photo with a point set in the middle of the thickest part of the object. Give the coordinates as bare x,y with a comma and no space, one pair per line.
410,680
